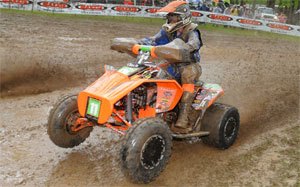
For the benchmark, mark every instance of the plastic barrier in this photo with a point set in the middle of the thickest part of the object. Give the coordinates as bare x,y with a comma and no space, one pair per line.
145,11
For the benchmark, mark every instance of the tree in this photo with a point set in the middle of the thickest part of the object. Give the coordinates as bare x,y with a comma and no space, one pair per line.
271,3
253,7
291,11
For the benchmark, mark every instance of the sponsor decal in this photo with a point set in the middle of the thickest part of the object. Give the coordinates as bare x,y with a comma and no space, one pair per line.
168,94
126,9
249,22
20,2
219,17
48,4
279,26
152,10
196,14
91,7
165,97
93,107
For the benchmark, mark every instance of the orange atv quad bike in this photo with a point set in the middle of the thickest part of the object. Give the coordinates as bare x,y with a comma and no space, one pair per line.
140,102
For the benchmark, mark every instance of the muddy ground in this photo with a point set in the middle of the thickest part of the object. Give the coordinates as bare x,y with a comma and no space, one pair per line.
45,57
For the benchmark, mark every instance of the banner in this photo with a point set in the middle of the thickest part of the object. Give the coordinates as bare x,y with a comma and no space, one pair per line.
146,11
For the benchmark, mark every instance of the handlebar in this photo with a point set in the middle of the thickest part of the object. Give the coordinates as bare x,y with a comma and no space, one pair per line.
175,51
144,48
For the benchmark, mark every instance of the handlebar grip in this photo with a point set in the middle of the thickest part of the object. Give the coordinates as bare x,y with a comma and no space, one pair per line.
145,48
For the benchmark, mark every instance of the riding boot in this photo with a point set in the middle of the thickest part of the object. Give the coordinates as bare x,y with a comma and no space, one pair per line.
185,108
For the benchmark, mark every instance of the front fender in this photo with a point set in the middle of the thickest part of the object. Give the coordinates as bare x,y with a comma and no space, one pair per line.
169,93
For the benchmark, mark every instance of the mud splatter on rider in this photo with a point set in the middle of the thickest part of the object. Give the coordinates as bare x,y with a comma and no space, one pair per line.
179,25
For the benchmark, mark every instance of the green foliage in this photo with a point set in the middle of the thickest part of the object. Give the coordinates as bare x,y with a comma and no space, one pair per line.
280,3
287,3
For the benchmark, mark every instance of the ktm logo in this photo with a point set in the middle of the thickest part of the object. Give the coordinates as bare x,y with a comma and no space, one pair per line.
279,26
196,14
126,9
219,17
249,22
151,10
90,7
54,4
20,2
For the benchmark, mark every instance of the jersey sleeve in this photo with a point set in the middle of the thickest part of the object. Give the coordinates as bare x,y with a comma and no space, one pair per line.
193,41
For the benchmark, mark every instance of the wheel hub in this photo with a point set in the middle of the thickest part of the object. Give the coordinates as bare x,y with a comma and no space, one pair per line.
230,128
71,121
152,152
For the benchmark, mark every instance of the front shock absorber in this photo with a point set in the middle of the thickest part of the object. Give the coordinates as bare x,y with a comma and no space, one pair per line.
129,108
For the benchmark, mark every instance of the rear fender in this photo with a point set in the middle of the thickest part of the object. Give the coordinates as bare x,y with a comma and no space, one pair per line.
207,95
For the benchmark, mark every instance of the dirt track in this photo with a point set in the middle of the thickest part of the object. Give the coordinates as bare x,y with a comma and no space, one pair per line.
43,58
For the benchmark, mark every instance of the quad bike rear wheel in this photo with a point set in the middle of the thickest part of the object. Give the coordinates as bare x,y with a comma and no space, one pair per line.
146,150
61,118
222,122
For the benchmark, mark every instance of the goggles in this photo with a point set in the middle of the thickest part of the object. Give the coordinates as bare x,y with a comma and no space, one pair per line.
172,16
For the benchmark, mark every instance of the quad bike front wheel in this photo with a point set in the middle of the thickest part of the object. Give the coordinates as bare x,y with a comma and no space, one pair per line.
222,122
62,117
146,150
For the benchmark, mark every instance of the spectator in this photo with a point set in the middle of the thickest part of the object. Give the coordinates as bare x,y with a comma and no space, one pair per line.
234,11
241,11
194,4
248,13
227,11
220,8
282,18
204,7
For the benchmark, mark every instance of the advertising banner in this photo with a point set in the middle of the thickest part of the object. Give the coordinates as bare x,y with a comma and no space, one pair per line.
57,6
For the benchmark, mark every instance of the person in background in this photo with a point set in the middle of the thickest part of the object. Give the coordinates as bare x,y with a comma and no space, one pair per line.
227,11
204,7
282,18
234,11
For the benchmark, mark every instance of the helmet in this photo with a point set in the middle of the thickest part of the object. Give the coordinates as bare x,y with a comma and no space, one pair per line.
176,8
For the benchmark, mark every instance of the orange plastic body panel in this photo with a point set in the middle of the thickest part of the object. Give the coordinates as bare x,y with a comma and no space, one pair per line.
113,86
188,87
147,112
97,90
169,93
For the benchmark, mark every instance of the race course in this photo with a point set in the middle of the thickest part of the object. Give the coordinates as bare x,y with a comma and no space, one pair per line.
44,57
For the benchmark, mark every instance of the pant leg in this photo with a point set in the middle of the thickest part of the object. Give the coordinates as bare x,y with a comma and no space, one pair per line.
190,73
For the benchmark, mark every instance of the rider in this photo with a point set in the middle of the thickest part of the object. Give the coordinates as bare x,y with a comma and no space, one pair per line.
179,25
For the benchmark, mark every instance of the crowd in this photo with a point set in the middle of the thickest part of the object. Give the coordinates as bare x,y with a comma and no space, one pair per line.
224,7
221,7
216,6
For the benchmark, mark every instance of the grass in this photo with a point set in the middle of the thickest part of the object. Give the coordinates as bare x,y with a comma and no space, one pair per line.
155,21
89,17
245,32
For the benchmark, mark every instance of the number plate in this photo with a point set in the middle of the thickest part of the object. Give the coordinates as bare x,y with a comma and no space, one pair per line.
94,107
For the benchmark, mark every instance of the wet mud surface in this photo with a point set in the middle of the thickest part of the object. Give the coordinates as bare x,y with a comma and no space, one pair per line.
44,58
